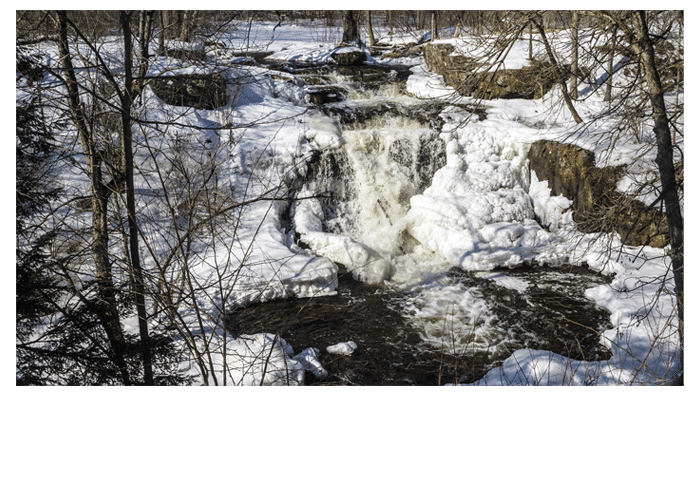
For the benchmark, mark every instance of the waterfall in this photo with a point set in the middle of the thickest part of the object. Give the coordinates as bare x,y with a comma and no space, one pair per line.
421,200
367,185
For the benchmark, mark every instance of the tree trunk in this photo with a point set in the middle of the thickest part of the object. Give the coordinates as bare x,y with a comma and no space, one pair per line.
611,65
145,26
370,34
161,33
107,304
433,25
573,82
171,26
559,75
350,32
679,74
186,25
664,157
128,168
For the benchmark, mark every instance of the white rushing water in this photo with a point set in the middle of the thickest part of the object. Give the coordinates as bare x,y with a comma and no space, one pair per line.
412,202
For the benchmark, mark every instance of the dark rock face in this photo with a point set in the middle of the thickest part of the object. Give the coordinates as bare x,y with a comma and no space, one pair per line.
349,57
598,206
462,73
199,91
325,94
571,172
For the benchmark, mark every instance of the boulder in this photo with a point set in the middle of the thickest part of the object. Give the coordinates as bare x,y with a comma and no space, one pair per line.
201,91
325,94
598,206
349,56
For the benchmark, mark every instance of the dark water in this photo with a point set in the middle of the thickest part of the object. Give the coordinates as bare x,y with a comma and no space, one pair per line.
553,314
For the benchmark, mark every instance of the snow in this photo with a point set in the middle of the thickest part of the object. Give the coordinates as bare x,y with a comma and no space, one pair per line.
483,210
260,359
309,360
342,348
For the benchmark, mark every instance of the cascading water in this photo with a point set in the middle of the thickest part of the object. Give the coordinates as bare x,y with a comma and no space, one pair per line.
372,203
387,160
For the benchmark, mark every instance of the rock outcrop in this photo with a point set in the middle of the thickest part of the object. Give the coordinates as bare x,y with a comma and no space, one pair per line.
208,91
597,204
463,74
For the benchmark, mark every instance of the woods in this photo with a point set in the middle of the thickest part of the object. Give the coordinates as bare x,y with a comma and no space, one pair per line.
131,246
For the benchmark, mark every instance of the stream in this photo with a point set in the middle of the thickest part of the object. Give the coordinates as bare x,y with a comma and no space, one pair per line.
416,319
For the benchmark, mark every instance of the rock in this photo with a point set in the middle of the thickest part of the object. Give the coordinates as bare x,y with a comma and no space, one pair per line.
325,94
598,205
462,73
202,91
349,56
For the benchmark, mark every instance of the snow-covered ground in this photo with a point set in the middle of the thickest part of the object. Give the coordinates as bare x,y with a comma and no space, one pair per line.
478,213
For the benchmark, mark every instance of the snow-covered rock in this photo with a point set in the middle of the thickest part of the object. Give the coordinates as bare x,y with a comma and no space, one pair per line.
342,348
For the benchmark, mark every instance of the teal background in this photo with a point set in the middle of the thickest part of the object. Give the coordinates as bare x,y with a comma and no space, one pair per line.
98,443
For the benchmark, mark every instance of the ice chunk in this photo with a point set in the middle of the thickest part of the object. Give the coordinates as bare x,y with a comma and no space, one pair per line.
309,360
342,348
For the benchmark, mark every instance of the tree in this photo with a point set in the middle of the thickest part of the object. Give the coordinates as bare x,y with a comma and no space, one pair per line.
573,83
35,282
86,323
101,191
370,33
433,25
611,64
557,69
632,105
126,97
351,33
637,33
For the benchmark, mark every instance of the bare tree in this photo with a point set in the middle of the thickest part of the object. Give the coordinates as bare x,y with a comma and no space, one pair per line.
557,69
433,25
351,33
370,33
637,32
611,64
101,192
573,82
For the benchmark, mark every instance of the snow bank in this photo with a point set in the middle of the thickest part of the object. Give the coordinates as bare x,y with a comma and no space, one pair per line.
309,360
260,359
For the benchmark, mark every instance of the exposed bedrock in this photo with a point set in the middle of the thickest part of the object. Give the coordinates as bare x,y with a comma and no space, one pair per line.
201,91
598,205
463,74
